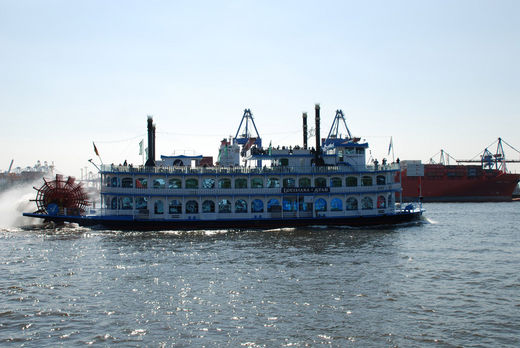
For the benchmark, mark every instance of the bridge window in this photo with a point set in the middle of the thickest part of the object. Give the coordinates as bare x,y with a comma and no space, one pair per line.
381,202
224,206
381,180
175,207
159,183
126,203
257,183
257,206
174,183
240,206
224,183
273,205
192,184
320,205
336,204
304,206
113,204
335,182
208,183
289,182
290,204
127,182
208,207
351,181
192,207
241,183
141,183
141,203
158,207
352,203
320,182
114,182
367,203
304,182
273,182
366,181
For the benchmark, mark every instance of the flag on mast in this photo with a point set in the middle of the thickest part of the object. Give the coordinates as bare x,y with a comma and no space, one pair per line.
141,147
95,149
97,152
390,146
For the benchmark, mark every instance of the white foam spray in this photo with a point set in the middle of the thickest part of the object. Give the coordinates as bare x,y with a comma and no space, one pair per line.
15,201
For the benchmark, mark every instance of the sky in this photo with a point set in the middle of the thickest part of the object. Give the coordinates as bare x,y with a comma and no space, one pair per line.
430,74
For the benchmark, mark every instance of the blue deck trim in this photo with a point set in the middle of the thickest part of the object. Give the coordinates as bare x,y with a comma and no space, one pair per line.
134,218
128,222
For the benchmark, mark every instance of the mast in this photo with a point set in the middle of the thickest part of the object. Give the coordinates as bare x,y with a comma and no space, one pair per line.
246,134
335,128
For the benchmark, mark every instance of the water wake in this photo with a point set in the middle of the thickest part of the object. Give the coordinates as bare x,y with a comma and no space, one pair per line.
15,201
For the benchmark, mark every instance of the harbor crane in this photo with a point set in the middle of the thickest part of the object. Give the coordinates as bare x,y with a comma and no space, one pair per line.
498,160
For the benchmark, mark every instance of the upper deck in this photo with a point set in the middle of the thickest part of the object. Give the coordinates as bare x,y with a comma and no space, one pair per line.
282,170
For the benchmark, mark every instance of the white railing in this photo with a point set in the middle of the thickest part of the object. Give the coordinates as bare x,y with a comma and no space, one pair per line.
245,170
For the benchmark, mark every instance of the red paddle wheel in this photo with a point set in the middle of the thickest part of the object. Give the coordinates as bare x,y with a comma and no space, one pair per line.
61,196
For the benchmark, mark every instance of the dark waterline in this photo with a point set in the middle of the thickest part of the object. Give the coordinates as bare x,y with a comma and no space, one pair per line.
450,281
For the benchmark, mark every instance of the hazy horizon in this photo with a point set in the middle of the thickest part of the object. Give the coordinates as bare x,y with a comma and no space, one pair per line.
430,74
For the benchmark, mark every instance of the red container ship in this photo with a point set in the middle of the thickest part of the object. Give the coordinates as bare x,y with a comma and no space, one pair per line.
458,183
488,182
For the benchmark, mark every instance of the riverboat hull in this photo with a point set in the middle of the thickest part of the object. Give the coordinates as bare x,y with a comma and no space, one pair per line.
130,223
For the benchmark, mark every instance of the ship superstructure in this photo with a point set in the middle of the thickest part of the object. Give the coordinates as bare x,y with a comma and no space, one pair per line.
252,186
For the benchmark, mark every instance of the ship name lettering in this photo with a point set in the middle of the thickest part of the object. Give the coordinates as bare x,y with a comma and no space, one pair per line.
305,190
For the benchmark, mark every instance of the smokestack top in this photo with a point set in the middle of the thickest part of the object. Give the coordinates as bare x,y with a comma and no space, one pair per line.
318,159
151,142
304,116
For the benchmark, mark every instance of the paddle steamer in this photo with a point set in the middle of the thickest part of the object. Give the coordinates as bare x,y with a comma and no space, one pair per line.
250,186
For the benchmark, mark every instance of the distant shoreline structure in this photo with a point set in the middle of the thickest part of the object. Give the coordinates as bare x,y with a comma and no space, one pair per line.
19,176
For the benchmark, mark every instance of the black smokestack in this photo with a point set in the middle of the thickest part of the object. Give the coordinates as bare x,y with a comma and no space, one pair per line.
318,140
153,143
304,130
150,162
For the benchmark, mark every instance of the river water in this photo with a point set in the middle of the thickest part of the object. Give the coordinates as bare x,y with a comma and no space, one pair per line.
451,280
